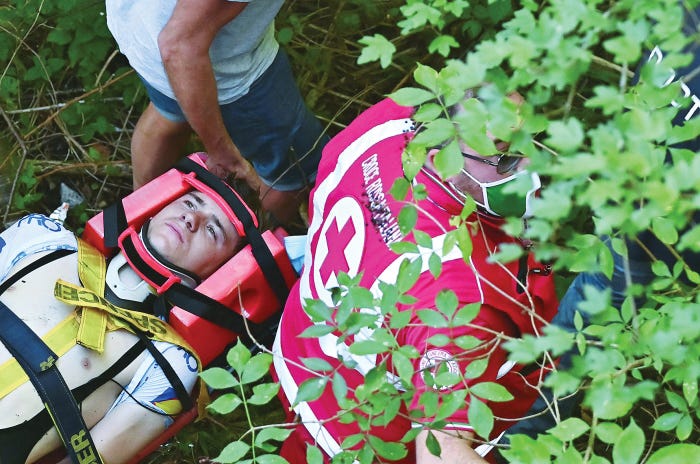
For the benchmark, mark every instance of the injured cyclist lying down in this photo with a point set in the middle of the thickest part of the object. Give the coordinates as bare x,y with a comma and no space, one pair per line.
82,360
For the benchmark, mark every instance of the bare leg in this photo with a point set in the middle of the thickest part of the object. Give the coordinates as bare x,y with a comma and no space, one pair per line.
157,144
284,205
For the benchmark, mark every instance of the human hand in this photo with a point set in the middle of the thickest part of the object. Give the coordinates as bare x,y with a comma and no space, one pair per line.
240,169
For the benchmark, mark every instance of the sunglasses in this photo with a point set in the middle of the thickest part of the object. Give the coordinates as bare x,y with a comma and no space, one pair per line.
504,164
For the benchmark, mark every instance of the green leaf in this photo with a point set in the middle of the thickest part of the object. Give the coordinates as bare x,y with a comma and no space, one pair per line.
310,389
400,319
313,454
411,96
59,36
413,159
451,403
685,427
318,310
570,429
480,417
264,393
690,391
476,368
409,272
428,112
256,368
404,247
667,421
449,160
443,44
432,318
439,340
507,252
224,404
233,452
407,218
426,76
571,456
285,35
365,347
446,302
376,48
352,441
238,356
403,367
317,331
627,47
317,364
387,450
491,391
665,230
340,388
467,342
464,240
422,239
435,265
272,433
466,314
432,444
219,378
525,450
270,459
565,136
400,188
608,432
690,239
675,453
630,446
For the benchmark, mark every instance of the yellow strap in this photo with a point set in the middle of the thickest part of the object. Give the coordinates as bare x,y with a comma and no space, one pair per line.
119,318
60,339
92,270
92,267
92,330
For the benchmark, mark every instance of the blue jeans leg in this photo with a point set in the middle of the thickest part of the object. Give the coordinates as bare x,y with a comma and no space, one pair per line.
639,273
275,130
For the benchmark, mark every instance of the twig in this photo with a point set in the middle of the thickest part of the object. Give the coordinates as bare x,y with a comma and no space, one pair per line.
78,99
24,149
37,109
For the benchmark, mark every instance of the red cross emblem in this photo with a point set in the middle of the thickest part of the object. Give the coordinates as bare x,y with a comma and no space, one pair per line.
337,241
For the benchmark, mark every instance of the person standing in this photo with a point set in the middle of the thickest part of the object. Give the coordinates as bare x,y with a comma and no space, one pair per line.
195,56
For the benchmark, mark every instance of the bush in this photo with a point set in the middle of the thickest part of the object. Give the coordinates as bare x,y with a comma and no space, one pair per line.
598,138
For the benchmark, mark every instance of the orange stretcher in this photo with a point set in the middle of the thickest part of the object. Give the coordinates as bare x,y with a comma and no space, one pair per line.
239,284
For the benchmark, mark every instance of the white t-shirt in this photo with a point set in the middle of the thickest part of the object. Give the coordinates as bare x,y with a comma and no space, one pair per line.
242,50
34,233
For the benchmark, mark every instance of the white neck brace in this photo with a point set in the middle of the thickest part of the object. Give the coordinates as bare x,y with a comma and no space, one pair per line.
123,281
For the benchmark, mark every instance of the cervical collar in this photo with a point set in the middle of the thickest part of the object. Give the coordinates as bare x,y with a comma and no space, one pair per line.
123,282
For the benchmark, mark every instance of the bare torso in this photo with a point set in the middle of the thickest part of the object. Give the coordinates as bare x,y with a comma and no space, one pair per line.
32,299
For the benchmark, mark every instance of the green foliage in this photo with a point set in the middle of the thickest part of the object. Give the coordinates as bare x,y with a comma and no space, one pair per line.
61,92
598,140
243,387
601,143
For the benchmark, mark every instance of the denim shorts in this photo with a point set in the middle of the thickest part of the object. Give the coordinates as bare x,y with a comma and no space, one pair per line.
271,126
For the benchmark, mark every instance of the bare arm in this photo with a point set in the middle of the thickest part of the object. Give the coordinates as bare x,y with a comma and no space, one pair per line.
184,47
455,450
129,424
